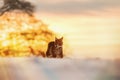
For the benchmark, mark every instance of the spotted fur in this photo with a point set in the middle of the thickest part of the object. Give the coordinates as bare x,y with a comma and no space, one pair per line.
55,49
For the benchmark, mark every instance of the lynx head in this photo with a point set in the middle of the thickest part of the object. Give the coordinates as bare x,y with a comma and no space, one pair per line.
59,41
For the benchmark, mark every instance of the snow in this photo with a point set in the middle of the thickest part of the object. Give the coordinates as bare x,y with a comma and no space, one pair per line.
57,69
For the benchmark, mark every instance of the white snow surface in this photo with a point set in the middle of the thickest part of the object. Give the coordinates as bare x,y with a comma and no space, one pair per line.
57,69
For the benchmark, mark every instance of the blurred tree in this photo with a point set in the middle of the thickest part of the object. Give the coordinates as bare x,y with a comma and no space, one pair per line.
17,4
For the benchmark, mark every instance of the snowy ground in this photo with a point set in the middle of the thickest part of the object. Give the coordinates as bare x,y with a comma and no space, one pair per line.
57,69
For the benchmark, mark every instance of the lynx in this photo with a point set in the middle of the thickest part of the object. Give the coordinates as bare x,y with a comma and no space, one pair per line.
55,49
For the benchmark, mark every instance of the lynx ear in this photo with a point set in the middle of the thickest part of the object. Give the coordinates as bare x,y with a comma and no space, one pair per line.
61,38
55,38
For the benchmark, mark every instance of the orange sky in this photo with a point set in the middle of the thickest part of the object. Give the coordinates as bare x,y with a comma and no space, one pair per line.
91,28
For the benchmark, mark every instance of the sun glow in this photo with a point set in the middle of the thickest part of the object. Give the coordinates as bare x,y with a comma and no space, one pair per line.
87,36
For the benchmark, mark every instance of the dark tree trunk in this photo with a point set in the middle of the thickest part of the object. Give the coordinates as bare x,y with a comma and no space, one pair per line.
10,5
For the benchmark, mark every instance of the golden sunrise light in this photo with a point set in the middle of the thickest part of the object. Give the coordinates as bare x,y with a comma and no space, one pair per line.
59,39
88,31
87,36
